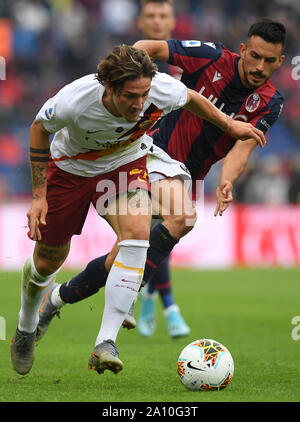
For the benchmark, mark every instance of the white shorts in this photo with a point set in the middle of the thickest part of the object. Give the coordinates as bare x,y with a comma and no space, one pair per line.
160,166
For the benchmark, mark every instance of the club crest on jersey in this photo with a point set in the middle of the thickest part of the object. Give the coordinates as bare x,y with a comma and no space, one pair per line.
191,43
49,113
252,102
145,124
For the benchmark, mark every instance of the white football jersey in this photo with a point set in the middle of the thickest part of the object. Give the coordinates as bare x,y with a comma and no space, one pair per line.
89,140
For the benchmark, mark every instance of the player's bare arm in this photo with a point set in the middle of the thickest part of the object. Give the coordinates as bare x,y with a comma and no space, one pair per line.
39,157
156,49
202,107
233,167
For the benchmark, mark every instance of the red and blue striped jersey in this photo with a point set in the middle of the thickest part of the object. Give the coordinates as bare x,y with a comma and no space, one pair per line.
212,70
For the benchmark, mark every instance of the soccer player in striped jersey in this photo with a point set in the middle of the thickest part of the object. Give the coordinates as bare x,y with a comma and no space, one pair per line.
239,85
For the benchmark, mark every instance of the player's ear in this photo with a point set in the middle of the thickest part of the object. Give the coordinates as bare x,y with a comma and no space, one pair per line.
108,89
242,48
281,60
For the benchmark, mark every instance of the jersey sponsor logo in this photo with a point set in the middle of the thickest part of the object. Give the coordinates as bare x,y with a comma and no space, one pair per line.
191,43
252,102
146,124
217,76
151,115
49,113
214,100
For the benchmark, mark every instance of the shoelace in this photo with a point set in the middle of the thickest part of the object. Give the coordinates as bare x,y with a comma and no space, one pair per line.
113,348
24,341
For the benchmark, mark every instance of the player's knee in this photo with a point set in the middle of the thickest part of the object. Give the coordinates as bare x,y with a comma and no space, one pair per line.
180,225
139,231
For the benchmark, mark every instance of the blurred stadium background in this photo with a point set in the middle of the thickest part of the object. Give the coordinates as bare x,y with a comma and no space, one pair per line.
47,44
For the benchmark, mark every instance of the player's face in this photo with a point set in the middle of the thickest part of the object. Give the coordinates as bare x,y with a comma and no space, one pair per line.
156,21
129,101
259,59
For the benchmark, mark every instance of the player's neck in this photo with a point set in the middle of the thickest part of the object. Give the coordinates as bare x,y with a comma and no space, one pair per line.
148,37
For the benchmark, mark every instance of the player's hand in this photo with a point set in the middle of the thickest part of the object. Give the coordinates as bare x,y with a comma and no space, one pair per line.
224,197
244,131
37,215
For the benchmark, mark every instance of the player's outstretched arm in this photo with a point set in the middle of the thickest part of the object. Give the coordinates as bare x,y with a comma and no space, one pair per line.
202,107
233,167
158,50
39,157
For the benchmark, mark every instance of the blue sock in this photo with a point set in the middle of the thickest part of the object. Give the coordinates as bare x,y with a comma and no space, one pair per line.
161,245
86,283
161,282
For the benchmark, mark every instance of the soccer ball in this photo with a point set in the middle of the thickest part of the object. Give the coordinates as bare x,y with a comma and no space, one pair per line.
205,365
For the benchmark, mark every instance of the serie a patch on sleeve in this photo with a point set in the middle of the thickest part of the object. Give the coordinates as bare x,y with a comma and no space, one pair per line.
49,113
191,43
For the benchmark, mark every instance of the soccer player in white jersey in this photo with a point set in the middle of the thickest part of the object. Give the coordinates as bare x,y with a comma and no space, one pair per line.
100,123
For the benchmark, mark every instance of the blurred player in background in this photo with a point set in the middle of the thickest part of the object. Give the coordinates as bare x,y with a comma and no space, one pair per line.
156,22
100,123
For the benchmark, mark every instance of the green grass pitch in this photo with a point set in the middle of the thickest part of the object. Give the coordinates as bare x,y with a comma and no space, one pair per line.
250,311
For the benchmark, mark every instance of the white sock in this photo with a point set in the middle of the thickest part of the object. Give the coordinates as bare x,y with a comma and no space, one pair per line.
147,295
34,287
55,298
171,308
122,286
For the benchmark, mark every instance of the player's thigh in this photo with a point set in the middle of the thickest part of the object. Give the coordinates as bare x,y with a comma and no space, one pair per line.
48,259
130,216
170,197
171,201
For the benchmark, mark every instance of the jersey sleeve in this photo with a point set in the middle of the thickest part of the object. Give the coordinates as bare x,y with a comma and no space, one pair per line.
269,114
55,113
168,93
192,55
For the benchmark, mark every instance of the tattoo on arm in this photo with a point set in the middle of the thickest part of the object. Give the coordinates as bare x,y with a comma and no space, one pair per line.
39,175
